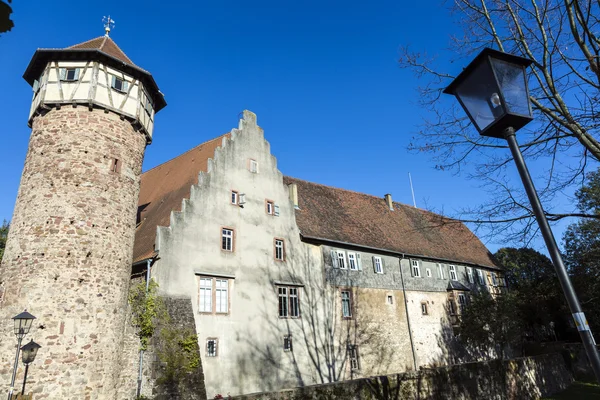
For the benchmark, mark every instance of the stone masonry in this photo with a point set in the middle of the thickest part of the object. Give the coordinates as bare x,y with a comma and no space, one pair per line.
68,254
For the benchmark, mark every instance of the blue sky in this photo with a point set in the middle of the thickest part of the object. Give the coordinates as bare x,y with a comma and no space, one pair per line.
322,77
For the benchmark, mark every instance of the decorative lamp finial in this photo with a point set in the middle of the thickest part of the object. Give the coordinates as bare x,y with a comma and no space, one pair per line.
108,24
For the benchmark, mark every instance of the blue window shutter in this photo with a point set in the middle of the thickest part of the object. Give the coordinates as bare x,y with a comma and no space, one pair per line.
62,72
113,82
358,261
77,73
125,86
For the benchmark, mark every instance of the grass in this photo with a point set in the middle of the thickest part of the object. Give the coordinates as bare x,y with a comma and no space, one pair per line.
578,390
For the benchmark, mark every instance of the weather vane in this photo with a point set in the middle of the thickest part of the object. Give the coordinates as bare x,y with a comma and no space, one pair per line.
109,23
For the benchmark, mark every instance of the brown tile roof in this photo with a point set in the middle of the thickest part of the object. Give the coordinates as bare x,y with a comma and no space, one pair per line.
106,45
344,216
325,213
163,188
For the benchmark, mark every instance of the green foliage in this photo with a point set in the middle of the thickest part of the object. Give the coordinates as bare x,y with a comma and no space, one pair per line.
146,307
178,353
491,323
3,236
582,250
6,24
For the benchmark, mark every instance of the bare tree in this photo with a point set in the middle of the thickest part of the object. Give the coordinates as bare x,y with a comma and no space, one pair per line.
562,37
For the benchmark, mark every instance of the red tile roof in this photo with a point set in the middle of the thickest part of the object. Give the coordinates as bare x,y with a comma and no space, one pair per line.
106,45
163,188
356,218
325,213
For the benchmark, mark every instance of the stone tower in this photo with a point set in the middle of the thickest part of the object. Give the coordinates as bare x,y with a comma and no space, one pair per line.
69,250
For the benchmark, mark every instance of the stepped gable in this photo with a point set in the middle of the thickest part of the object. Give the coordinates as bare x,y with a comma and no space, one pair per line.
162,190
106,45
345,216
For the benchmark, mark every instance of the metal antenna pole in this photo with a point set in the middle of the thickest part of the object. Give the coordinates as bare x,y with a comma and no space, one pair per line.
565,282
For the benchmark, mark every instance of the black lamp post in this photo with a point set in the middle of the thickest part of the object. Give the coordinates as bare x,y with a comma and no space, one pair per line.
29,351
493,91
22,325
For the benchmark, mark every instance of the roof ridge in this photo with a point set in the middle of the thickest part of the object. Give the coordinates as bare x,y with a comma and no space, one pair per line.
190,150
376,197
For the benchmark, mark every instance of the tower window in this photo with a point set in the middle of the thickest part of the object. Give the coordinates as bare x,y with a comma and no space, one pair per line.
211,347
269,207
279,249
287,343
424,310
115,165
234,197
69,74
119,84
253,166
227,239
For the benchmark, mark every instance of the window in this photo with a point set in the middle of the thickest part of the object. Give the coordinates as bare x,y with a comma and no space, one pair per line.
69,74
270,207
287,343
289,303
440,268
416,270
494,279
227,239
390,299
451,307
341,259
211,347
115,165
352,261
424,308
213,291
428,272
480,277
378,265
470,274
453,272
119,84
253,166
462,302
353,357
147,104
279,249
346,304
234,197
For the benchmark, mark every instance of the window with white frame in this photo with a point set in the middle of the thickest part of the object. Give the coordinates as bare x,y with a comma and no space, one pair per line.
227,239
269,207
353,357
452,270
287,343
451,307
234,197
69,74
440,268
119,84
480,277
289,301
341,259
213,291
428,272
211,347
415,268
494,279
470,274
378,265
352,263
253,166
346,303
424,310
279,249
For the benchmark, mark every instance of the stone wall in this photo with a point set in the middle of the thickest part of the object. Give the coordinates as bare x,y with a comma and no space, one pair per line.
69,250
521,378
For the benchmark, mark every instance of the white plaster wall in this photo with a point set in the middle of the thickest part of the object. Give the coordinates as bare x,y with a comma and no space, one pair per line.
250,337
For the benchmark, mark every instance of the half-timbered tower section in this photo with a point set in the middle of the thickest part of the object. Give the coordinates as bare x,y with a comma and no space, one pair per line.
69,250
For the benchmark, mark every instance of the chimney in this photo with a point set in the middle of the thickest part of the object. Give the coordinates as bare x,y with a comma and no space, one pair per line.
388,201
293,188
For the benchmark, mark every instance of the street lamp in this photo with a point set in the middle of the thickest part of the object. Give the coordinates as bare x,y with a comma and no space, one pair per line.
29,352
22,325
493,91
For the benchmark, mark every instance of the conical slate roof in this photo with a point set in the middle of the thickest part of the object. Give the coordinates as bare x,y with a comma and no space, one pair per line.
106,45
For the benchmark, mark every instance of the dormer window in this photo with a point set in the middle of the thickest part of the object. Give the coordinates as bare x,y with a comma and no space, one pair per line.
69,74
119,84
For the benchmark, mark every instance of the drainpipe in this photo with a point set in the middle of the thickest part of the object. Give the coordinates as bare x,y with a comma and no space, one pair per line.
412,345
139,380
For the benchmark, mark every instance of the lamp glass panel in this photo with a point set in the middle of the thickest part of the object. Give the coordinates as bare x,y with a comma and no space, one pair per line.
479,95
29,354
511,78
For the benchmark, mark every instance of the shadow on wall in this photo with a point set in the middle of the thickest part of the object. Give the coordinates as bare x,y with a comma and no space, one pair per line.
320,337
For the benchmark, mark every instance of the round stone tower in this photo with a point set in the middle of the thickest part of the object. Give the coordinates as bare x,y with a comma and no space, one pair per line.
69,250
